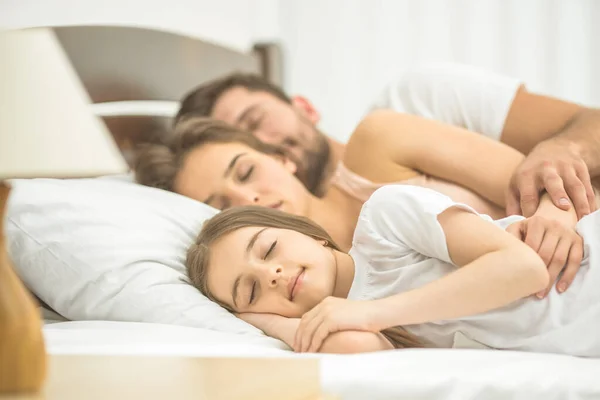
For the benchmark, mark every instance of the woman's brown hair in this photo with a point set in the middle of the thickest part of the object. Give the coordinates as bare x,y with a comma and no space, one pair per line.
157,164
198,256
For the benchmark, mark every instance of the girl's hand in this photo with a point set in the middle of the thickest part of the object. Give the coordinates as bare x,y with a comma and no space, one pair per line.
559,246
333,315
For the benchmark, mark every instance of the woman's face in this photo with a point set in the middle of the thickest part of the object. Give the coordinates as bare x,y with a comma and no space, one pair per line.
269,270
225,175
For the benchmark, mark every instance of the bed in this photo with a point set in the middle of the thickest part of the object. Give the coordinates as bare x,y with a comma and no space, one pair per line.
400,374
136,102
136,76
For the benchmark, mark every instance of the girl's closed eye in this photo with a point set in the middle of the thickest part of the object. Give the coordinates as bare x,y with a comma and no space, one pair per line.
252,293
270,250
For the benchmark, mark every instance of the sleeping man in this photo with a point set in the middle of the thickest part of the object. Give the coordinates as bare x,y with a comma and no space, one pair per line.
561,139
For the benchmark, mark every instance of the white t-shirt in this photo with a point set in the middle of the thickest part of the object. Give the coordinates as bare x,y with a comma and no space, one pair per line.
455,94
399,245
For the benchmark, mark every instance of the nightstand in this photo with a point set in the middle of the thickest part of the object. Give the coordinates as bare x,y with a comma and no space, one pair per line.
90,377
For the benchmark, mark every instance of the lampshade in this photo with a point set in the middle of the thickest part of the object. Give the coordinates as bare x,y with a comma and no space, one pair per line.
46,126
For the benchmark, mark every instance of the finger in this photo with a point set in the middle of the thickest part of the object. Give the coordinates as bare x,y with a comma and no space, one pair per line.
556,265
319,337
584,176
304,322
529,196
534,234
516,230
554,185
309,334
548,247
573,265
300,335
576,191
513,204
300,332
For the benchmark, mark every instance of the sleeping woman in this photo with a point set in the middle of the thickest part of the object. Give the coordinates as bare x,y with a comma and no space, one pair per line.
423,271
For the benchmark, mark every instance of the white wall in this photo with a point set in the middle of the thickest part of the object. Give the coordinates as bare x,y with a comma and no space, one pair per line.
231,23
341,52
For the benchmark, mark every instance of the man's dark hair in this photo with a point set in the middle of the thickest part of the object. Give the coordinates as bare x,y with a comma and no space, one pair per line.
202,99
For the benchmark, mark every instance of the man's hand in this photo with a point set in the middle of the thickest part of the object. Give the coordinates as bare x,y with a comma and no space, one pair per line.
559,246
556,167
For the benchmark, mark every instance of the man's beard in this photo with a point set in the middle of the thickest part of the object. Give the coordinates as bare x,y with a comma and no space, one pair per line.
315,163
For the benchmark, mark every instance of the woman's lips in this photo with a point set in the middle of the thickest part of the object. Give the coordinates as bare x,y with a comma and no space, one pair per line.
276,205
295,284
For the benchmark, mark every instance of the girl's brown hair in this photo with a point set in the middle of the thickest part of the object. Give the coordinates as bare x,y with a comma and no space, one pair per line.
198,256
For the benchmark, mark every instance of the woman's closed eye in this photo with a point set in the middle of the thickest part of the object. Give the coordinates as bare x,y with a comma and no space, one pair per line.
247,174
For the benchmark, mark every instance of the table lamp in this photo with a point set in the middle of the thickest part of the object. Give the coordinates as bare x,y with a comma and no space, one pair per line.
46,130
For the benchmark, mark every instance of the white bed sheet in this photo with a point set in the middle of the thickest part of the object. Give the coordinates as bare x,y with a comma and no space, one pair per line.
401,374
136,338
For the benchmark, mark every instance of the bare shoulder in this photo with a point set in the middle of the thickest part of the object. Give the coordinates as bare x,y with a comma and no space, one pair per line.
370,150
378,124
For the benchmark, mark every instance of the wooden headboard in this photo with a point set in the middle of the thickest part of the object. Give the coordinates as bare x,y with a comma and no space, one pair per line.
125,64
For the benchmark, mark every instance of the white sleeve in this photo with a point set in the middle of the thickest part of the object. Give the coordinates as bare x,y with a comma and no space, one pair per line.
405,217
455,94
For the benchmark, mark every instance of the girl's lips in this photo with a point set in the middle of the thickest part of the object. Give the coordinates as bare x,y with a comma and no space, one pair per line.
295,284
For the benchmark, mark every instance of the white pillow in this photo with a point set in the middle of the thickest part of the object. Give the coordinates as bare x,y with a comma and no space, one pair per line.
108,249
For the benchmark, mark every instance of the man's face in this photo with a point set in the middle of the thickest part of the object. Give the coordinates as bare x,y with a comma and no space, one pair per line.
291,127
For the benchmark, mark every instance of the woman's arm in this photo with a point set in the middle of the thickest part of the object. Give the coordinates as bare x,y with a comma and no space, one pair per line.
496,269
387,145
346,342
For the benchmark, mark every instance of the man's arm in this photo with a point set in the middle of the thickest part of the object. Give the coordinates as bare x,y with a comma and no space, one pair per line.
584,131
533,118
562,141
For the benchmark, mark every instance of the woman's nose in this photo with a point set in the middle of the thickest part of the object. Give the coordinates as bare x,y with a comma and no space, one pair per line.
245,198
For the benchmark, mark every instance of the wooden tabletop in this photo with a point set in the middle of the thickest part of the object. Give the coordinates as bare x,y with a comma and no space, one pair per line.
78,377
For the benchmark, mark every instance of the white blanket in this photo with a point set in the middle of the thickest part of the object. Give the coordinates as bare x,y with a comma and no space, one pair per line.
401,374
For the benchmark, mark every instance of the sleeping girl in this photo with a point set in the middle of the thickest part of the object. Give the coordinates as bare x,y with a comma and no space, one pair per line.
423,271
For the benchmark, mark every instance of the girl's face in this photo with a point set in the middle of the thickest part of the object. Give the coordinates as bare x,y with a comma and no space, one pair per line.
269,270
225,175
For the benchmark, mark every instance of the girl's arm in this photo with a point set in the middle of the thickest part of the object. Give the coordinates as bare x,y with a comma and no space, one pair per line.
398,222
387,146
345,342
548,210
496,269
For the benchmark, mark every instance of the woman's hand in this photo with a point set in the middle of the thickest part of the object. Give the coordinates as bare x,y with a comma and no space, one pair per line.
559,246
333,315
